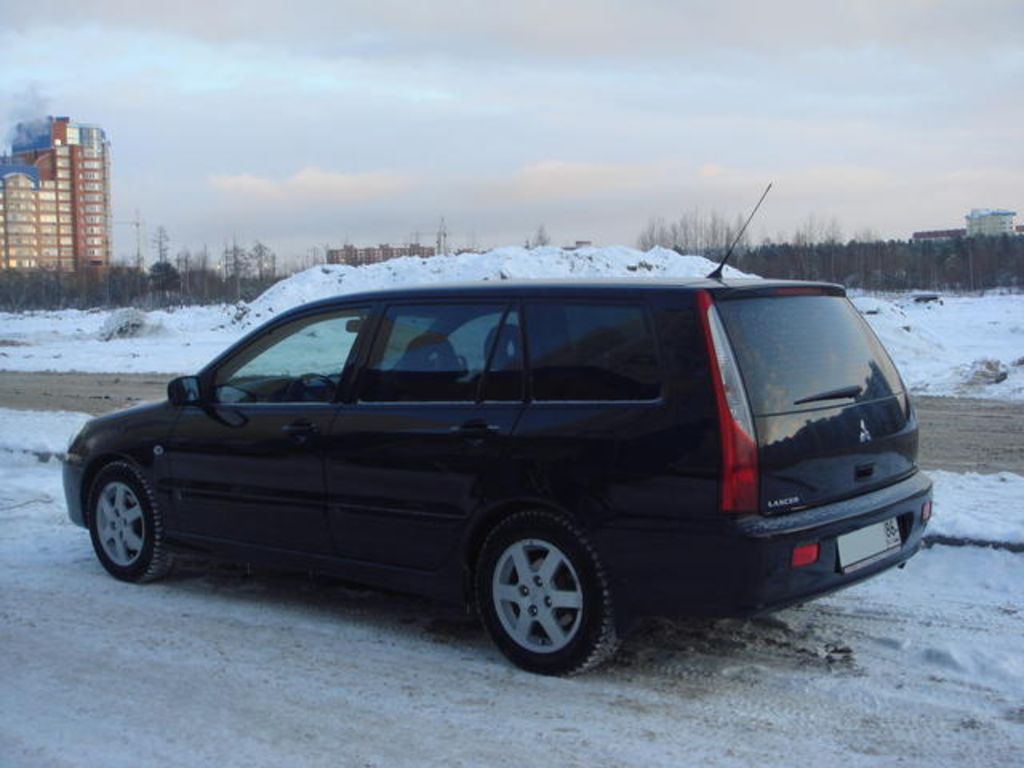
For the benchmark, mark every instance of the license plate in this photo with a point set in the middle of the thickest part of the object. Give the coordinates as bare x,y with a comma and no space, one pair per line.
865,546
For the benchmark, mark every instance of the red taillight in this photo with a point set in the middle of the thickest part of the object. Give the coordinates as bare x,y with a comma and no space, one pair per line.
926,512
739,487
805,554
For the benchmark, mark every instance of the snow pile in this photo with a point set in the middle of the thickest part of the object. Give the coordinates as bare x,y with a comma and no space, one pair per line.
123,324
512,263
983,371
978,508
190,337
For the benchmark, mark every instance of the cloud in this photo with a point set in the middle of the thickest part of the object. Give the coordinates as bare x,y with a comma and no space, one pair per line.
559,180
371,121
313,185
569,29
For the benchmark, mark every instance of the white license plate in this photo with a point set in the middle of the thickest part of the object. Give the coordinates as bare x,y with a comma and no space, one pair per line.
863,547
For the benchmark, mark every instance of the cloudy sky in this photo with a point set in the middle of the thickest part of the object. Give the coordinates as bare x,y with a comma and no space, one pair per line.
305,123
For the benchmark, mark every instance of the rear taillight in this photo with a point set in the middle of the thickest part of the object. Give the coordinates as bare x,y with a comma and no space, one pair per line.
739,488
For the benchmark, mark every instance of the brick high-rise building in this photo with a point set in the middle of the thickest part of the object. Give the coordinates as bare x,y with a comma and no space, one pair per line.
353,256
55,197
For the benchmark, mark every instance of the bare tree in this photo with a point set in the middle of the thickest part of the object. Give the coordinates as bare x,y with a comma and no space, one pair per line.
693,232
162,241
540,237
264,261
183,262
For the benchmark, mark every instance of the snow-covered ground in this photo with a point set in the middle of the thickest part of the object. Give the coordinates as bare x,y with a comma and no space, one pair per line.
919,667
956,347
959,346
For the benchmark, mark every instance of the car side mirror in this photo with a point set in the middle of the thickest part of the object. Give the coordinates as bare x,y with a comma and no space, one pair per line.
184,390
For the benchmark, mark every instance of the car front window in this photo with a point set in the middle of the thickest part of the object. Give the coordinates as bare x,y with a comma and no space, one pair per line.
298,362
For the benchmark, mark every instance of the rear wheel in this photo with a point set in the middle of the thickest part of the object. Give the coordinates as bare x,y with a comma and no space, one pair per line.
125,525
544,596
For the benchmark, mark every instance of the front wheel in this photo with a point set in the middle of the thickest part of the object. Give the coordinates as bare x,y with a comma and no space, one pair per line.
544,596
126,526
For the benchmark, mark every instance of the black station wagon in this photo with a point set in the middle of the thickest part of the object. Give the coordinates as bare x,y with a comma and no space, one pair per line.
564,457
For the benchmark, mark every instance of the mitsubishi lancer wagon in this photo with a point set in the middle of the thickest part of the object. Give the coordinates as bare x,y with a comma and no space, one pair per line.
562,458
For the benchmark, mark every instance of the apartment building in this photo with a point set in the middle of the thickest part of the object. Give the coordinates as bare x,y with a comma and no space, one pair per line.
55,197
990,222
353,256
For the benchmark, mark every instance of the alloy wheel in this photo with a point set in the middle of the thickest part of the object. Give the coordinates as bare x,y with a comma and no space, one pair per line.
537,595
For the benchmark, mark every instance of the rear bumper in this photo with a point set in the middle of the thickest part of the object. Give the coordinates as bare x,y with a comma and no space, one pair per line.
775,583
742,567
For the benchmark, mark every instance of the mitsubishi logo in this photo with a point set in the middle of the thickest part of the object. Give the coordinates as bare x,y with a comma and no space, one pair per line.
865,433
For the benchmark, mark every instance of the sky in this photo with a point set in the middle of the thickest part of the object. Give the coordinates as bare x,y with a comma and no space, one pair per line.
304,124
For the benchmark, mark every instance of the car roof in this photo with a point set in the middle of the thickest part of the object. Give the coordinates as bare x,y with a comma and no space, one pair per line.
562,287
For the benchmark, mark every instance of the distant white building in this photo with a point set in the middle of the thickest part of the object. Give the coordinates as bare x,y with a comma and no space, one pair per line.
990,221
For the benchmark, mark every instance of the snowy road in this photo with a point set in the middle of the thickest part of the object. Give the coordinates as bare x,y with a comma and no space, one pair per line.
924,666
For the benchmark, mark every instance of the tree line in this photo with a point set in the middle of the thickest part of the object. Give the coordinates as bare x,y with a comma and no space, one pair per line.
237,274
817,250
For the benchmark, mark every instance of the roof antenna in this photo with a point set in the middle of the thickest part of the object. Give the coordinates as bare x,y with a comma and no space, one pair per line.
717,273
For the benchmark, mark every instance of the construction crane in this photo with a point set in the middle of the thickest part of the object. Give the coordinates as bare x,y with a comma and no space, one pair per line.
137,223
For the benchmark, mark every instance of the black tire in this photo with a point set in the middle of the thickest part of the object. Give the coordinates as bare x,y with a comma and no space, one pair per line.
147,560
588,635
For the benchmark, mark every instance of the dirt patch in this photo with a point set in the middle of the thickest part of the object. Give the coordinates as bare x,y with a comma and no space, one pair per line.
967,435
957,434
94,393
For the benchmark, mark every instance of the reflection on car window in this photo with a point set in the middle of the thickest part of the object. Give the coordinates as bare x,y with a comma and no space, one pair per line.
297,363
431,353
591,352
505,374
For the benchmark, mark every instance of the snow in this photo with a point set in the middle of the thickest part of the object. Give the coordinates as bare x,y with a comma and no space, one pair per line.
922,666
499,264
978,507
182,341
174,341
940,346
960,346
39,432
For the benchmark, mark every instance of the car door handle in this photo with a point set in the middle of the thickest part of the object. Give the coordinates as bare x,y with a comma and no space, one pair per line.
476,428
300,429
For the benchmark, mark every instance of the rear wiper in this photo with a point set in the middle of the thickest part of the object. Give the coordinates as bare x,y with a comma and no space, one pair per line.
832,394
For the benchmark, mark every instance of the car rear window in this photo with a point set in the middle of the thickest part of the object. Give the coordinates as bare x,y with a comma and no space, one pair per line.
796,347
591,352
431,353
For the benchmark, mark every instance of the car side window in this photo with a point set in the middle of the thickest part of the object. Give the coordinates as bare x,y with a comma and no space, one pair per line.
591,352
430,353
300,362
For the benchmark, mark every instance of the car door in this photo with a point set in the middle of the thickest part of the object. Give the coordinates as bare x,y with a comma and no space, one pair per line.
247,464
422,446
